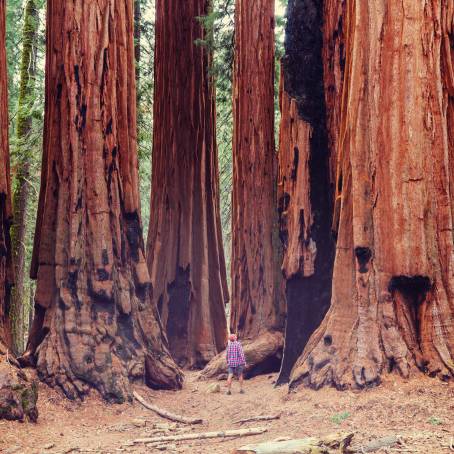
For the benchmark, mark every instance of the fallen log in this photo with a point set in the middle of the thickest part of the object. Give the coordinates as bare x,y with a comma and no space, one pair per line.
257,418
263,355
166,414
379,443
331,444
203,435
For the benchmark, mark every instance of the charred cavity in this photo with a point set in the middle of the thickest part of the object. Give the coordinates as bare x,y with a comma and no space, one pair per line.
363,256
308,297
413,291
179,292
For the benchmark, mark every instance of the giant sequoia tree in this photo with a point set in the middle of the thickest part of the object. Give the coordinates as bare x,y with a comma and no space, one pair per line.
304,187
256,283
185,253
392,302
94,325
6,271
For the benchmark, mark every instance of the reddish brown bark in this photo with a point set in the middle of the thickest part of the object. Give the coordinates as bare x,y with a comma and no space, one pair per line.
185,254
392,305
6,269
305,189
94,325
256,281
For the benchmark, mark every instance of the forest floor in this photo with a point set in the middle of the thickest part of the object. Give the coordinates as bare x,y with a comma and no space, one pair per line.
420,412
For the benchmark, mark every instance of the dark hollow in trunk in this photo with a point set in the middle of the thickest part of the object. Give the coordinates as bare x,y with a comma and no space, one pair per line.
305,187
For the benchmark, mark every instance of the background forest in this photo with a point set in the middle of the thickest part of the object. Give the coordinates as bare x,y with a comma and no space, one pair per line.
25,41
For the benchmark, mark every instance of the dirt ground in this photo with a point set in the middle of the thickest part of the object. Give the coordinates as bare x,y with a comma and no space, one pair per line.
421,412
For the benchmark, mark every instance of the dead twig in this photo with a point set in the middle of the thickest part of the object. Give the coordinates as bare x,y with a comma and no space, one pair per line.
257,418
203,435
166,414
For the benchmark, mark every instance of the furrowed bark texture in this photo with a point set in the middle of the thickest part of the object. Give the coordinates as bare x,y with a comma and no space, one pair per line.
137,37
257,301
6,269
392,305
21,188
304,187
185,253
94,325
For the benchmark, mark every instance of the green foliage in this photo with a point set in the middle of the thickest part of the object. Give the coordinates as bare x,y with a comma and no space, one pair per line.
25,51
435,421
339,418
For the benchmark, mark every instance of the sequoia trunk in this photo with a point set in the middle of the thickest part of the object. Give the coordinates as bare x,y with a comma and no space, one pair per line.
94,325
185,253
256,282
304,188
6,269
392,302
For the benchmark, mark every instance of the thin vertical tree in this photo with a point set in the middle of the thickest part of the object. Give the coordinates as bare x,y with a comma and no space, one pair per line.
23,157
257,303
185,252
6,269
94,326
392,306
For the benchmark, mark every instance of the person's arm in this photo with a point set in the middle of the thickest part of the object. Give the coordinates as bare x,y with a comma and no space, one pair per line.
227,354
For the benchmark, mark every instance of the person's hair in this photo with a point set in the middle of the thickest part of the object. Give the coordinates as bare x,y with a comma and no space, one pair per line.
233,337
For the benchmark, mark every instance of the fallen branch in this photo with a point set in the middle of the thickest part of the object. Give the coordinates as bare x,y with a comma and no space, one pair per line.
257,418
331,444
203,435
166,414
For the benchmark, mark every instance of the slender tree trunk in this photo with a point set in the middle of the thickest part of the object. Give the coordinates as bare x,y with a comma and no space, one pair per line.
392,302
94,325
185,253
21,185
256,283
305,189
6,268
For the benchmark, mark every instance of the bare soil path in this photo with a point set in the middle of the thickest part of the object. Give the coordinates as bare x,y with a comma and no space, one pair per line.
421,412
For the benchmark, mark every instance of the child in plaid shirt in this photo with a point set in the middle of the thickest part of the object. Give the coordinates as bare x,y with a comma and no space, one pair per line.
235,362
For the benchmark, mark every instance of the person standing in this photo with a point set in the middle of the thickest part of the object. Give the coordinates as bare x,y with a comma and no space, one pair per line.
235,362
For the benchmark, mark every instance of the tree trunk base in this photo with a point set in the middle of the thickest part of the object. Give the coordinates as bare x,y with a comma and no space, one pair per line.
263,355
18,395
400,332
105,361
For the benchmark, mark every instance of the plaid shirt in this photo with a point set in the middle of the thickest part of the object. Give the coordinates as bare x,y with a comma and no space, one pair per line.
235,354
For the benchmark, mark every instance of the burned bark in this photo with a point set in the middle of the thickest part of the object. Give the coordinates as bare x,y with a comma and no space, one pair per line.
94,325
257,300
6,268
304,188
392,295
185,253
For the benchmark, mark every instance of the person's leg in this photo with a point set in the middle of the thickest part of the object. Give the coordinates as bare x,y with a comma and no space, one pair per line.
241,379
229,382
